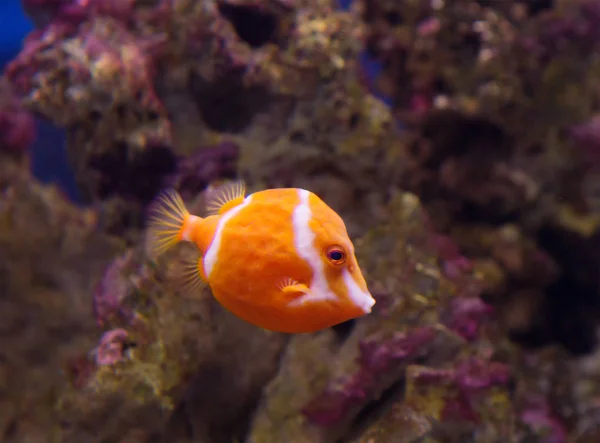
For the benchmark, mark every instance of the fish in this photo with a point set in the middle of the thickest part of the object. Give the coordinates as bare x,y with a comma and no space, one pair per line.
280,259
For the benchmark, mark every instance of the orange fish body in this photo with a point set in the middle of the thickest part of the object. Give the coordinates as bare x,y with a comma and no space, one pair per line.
280,259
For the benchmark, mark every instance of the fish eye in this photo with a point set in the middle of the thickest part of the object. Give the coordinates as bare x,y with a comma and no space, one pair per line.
336,255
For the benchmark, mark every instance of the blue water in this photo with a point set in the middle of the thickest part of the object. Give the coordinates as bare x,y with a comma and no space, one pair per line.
49,160
14,25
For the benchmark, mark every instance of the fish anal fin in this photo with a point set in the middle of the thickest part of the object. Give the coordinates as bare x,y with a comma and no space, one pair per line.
226,197
188,274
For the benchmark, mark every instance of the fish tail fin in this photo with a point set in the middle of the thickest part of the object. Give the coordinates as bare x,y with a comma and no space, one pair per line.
167,224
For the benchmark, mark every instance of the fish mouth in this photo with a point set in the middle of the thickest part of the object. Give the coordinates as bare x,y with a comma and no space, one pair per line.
367,303
364,303
363,300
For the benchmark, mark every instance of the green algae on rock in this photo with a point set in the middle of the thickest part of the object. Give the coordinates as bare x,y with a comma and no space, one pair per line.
50,255
167,342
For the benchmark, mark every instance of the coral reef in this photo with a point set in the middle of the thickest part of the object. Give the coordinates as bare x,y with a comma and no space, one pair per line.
500,100
312,400
50,254
159,348
136,91
472,200
17,126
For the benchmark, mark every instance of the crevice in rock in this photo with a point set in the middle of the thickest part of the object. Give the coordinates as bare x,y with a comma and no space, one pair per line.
374,410
571,307
253,25
227,105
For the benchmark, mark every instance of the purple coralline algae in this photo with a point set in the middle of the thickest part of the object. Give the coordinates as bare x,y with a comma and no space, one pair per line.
208,165
17,125
111,291
487,147
376,358
465,315
111,347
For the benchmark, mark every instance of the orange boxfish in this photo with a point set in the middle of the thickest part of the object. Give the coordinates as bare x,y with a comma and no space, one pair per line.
280,259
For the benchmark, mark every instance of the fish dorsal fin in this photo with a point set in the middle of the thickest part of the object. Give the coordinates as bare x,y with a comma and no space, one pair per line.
226,197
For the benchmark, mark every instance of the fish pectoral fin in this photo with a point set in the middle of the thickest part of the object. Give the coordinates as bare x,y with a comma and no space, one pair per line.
293,288
226,197
167,219
188,273
296,289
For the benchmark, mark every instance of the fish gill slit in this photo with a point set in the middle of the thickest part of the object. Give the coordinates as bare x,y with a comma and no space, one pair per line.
304,239
212,253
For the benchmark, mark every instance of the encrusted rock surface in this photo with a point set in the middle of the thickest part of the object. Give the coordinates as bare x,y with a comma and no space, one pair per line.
472,200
